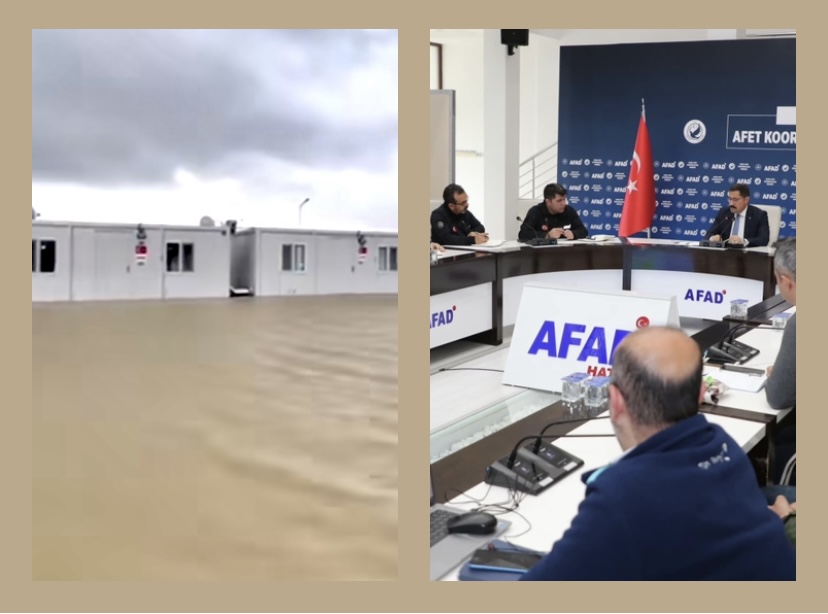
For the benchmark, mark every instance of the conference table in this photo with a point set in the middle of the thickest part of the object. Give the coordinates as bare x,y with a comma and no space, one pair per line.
541,520
475,290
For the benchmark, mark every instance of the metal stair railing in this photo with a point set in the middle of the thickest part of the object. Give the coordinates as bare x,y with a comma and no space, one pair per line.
537,171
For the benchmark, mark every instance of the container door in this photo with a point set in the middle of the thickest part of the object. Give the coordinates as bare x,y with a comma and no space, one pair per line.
113,265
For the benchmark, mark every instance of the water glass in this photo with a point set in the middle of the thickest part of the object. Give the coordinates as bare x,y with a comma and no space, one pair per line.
571,390
596,396
780,319
739,308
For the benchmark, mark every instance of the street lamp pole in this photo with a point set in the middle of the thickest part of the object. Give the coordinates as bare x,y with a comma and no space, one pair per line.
302,204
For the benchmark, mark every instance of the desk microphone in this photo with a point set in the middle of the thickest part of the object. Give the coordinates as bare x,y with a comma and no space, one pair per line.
714,231
532,474
540,238
729,350
716,354
727,218
731,334
539,438
730,339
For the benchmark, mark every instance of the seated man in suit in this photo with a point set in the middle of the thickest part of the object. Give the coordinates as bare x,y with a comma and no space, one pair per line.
740,222
553,218
682,502
452,223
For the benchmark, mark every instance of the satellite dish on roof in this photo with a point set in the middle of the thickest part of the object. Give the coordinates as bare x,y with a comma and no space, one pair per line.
207,221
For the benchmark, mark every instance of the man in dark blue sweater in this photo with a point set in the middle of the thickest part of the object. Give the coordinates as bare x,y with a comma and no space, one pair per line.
682,503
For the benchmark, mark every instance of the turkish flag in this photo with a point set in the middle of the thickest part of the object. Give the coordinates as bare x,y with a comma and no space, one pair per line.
640,199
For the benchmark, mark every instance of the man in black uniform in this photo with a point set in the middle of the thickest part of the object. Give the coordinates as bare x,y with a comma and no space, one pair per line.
452,223
552,218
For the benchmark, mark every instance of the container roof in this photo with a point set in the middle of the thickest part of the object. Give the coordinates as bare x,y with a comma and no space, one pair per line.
292,231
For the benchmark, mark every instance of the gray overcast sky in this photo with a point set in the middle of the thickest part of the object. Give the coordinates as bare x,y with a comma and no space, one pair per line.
169,125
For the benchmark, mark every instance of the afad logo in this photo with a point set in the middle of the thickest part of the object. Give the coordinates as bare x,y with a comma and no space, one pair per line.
442,318
705,296
592,341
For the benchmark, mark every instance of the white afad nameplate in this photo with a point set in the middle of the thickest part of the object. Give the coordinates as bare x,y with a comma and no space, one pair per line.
461,313
562,331
700,295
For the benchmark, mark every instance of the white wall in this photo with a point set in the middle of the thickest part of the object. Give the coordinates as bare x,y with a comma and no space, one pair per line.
53,286
97,262
337,266
529,58
271,280
83,264
463,71
548,78
539,82
340,272
331,265
210,277
369,278
613,37
104,264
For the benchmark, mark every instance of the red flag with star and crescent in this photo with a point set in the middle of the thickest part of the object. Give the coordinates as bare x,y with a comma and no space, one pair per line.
640,198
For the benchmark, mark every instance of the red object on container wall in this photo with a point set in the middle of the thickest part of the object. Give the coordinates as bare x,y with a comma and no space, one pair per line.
141,253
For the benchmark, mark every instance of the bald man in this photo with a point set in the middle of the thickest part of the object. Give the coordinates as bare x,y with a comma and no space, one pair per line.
682,502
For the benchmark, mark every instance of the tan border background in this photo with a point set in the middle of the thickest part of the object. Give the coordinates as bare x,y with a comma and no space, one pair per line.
412,592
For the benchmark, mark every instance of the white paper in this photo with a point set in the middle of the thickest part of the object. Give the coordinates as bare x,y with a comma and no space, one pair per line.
739,381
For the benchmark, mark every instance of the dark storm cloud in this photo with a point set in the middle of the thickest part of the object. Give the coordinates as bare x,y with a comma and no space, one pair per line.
129,107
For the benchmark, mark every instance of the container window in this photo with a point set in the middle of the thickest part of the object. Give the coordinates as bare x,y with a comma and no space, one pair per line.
180,257
189,257
299,258
48,256
173,257
392,258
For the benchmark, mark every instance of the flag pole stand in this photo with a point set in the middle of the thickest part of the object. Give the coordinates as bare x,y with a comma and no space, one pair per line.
644,115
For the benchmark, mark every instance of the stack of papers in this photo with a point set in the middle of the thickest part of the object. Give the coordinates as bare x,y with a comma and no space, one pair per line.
451,252
599,239
490,244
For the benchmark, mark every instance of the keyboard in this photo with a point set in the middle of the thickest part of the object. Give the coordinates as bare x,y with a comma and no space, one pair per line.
439,520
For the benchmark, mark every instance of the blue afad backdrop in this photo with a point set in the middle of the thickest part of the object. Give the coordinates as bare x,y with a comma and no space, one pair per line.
718,113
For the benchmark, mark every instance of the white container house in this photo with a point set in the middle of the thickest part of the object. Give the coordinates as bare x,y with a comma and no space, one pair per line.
279,262
85,262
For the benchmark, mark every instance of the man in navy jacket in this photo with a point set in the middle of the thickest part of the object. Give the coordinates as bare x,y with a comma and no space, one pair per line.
553,218
452,223
740,222
682,503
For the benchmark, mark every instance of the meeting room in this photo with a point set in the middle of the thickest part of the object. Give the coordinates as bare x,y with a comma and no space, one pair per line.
613,305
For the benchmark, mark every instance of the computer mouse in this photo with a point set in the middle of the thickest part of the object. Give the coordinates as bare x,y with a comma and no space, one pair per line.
474,523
